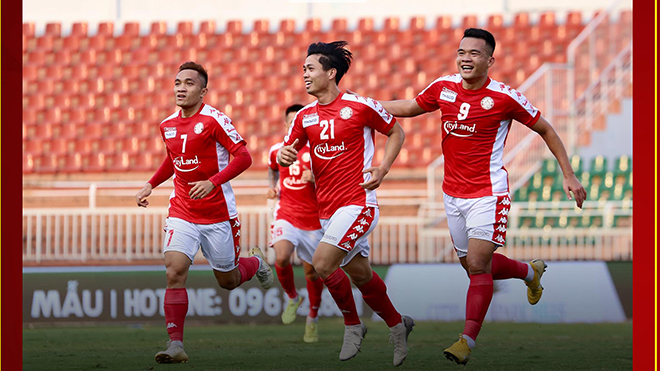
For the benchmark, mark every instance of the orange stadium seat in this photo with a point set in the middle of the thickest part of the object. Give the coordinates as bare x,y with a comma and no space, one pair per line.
71,43
521,21
287,26
29,29
207,27
340,25
132,29
158,28
79,29
53,29
261,26
469,21
184,28
106,29
443,23
366,25
234,27
45,43
98,42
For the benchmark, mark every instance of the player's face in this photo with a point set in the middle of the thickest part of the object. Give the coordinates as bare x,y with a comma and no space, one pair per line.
473,59
316,79
188,90
288,119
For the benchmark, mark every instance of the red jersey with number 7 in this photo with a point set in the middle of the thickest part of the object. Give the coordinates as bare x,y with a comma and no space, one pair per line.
341,141
475,125
199,147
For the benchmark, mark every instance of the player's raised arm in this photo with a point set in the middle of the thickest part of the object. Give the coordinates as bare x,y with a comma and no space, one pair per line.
402,108
556,146
164,172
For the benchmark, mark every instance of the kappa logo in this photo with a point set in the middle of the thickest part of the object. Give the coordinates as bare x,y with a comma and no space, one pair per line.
353,236
501,228
503,220
237,223
367,212
346,245
505,201
359,228
504,212
171,325
363,221
499,238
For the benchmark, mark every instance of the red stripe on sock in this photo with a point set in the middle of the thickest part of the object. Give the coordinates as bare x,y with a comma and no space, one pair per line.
248,267
478,300
374,294
285,276
340,288
176,307
314,293
504,268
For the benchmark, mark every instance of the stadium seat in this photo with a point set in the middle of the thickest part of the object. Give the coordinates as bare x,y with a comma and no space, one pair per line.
184,28
29,29
365,25
443,23
53,29
105,29
158,28
234,27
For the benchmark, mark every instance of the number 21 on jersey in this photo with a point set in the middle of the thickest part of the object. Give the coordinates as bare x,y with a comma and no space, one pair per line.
325,124
463,111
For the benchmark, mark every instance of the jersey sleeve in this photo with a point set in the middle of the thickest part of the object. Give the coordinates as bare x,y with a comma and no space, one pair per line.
427,99
296,131
225,133
522,110
272,158
379,119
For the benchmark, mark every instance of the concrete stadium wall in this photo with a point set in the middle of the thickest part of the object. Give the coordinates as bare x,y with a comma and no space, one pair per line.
147,11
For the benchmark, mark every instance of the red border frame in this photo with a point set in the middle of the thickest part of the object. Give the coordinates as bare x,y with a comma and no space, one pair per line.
645,264
12,174
644,154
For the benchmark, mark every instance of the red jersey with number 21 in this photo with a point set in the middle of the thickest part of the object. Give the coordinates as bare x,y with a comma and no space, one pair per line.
341,141
475,124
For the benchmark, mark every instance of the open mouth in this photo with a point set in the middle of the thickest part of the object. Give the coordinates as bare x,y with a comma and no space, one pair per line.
308,84
467,68
180,96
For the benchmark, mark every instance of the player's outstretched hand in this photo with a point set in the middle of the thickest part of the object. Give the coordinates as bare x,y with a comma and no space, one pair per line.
572,184
287,155
271,194
141,197
307,176
377,175
200,189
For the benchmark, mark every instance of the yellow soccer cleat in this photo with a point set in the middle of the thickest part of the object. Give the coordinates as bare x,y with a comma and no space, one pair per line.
311,333
459,352
534,288
289,314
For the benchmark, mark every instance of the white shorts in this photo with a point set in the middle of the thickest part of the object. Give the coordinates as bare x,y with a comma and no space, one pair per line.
304,241
348,229
219,241
483,218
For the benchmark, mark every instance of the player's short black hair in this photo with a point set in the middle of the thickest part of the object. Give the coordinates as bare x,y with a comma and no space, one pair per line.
479,33
293,108
190,65
333,55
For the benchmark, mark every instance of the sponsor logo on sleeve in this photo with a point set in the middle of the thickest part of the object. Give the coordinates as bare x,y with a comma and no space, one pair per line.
169,133
448,95
311,119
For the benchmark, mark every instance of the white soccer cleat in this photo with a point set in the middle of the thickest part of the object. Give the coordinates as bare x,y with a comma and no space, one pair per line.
264,273
399,337
173,354
353,336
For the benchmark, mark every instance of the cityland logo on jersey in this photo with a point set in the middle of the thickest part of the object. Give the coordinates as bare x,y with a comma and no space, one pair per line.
327,152
452,126
180,162
294,184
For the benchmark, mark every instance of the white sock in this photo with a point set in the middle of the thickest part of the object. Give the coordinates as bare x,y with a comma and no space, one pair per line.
530,273
471,343
312,320
295,298
176,343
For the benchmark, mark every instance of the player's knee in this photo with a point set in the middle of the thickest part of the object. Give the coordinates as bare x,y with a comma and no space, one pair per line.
175,277
324,269
282,261
228,283
361,278
311,276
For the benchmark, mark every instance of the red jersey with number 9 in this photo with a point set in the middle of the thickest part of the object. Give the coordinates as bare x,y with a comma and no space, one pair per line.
199,147
341,141
475,125
297,204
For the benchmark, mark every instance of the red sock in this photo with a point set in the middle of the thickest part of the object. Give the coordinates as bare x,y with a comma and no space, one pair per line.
176,307
504,268
340,288
478,300
285,276
248,267
374,294
314,291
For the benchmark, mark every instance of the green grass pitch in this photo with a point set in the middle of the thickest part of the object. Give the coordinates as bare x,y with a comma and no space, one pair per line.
501,346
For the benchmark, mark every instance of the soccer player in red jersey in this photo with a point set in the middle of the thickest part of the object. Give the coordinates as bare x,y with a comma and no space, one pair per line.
477,112
296,226
340,130
202,211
